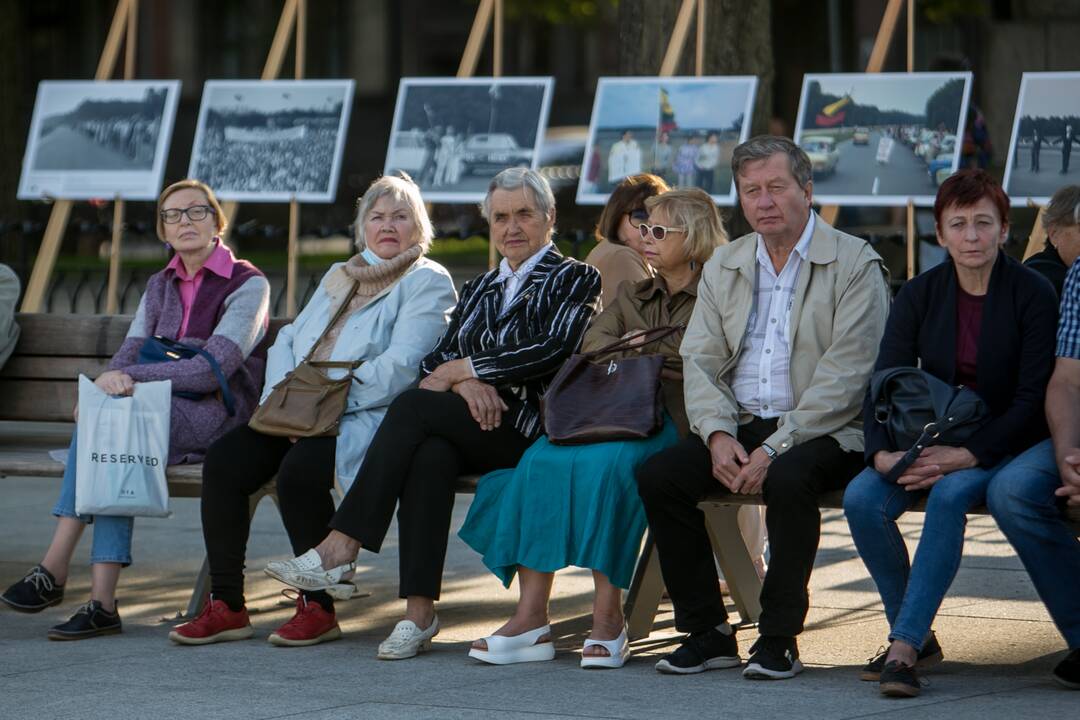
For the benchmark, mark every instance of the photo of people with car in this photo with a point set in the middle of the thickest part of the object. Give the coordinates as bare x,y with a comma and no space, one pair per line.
680,129
453,135
884,138
1046,132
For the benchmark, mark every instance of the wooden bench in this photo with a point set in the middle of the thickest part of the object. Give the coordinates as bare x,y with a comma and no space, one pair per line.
720,511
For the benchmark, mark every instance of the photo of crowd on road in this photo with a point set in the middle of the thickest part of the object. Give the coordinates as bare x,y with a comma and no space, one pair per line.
682,129
99,139
453,135
882,139
272,141
1046,132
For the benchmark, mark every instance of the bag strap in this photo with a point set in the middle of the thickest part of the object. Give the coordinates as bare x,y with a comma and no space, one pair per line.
333,321
931,432
627,342
226,393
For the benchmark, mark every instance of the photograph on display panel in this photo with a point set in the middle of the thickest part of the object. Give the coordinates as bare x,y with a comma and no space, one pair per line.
682,129
453,135
272,140
882,138
1046,132
93,139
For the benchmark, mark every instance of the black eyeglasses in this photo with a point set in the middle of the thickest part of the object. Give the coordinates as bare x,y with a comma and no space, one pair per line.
637,217
659,232
195,213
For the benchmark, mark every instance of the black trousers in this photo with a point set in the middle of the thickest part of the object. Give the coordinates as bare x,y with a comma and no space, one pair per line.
673,481
236,466
425,441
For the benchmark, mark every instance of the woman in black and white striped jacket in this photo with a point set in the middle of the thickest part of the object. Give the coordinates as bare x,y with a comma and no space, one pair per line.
476,410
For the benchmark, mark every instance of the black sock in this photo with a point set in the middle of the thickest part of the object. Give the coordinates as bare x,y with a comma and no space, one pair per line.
322,598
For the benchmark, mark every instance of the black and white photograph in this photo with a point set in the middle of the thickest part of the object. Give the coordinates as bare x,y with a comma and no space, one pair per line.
1046,131
453,135
272,140
93,139
882,138
681,129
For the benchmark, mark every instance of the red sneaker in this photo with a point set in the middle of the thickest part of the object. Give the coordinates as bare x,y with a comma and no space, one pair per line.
216,623
310,625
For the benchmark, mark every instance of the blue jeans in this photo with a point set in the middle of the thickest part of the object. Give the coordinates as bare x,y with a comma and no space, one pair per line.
112,534
1021,499
912,592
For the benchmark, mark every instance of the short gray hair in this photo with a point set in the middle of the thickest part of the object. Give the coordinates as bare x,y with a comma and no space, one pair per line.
521,177
1064,208
763,147
400,187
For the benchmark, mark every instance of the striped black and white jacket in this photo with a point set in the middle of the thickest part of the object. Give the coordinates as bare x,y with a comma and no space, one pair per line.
520,349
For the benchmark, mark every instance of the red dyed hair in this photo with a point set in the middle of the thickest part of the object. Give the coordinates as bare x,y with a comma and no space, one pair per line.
967,187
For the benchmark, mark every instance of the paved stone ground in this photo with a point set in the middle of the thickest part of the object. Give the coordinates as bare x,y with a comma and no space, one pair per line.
999,642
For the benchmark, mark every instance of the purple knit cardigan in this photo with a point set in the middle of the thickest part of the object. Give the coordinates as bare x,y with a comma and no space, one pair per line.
228,319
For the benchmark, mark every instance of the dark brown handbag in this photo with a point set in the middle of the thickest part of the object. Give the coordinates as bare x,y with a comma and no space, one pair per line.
308,402
590,402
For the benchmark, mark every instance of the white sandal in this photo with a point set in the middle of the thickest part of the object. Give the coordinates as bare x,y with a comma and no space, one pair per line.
306,572
503,650
618,651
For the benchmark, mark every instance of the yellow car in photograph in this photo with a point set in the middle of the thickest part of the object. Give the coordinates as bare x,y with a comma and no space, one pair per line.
823,154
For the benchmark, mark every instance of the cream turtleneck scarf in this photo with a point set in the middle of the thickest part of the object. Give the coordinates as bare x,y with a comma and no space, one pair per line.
371,280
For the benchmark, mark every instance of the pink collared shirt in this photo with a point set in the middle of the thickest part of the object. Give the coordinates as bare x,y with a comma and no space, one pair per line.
220,262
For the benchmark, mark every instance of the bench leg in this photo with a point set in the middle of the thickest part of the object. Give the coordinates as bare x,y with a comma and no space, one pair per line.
731,553
202,582
646,589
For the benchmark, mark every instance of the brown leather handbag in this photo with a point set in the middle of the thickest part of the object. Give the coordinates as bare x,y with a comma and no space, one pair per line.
307,402
590,401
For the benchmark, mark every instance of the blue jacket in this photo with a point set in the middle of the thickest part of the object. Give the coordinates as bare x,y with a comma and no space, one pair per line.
391,334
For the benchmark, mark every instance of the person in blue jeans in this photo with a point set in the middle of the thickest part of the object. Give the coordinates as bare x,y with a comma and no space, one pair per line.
1028,502
983,320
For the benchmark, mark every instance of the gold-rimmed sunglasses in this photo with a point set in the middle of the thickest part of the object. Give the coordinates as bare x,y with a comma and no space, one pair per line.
659,232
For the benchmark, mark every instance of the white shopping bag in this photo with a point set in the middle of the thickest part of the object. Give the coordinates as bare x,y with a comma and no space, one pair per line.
123,447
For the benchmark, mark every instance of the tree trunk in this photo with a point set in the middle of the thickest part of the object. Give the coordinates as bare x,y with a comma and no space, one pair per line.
738,41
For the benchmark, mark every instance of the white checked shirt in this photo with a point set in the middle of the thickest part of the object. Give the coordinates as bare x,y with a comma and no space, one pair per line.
761,379
514,278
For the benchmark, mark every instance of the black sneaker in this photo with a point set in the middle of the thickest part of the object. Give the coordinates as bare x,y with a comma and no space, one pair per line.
1067,671
89,621
35,592
899,680
709,650
929,656
773,658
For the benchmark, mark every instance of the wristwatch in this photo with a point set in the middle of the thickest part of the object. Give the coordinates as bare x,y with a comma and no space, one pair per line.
769,451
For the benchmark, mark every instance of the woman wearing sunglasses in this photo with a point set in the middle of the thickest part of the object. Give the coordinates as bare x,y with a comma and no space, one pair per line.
619,252
205,298
578,505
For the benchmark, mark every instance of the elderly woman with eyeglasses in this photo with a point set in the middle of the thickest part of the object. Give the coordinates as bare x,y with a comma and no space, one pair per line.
619,253
206,298
476,409
579,505
396,304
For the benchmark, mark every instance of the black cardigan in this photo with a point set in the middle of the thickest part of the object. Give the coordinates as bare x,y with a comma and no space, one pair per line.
519,350
1015,355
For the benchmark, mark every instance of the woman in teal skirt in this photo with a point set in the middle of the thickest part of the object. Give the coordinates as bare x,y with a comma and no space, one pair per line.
578,505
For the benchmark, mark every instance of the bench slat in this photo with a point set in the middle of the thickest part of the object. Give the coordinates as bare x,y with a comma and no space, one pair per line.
42,367
37,400
65,335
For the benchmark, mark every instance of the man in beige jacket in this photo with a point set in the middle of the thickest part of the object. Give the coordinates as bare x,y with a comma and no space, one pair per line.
777,358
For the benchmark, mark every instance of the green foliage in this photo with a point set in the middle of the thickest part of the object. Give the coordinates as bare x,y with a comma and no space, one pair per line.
558,12
941,12
941,107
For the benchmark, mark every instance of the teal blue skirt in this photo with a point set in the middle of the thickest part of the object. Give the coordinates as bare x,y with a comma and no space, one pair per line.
564,505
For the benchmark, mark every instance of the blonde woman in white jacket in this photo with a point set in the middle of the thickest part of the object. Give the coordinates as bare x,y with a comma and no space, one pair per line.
401,307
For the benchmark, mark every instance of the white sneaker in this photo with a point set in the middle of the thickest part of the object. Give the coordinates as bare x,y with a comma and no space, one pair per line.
407,640
306,572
